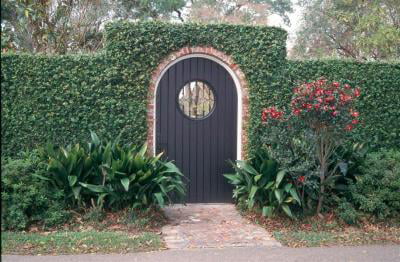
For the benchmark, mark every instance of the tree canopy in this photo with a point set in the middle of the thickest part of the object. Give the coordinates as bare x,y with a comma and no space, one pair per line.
357,29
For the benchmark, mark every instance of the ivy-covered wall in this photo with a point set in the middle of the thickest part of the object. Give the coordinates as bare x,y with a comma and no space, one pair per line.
61,98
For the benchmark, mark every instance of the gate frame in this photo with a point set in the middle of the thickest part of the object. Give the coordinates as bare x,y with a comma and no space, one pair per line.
229,65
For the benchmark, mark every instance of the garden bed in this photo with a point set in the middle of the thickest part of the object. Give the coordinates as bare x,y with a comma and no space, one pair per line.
328,231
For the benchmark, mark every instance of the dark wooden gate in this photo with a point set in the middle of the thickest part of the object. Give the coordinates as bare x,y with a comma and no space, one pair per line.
196,126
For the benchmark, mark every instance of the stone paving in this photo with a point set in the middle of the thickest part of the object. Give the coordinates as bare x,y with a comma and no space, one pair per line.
212,226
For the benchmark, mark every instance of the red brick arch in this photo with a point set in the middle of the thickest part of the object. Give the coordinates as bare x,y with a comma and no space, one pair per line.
232,68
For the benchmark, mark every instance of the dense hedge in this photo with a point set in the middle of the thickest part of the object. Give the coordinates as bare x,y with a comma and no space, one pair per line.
61,98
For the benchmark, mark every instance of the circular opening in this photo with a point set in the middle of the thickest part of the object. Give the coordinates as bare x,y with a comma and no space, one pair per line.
196,99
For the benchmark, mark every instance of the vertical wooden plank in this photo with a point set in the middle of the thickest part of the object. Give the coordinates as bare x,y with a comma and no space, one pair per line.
178,117
193,141
221,135
207,138
214,135
186,133
200,139
171,114
231,141
163,89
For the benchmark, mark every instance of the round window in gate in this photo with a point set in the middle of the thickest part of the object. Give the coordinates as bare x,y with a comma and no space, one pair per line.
196,100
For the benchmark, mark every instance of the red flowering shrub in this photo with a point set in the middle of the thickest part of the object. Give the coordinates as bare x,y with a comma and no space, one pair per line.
325,110
322,105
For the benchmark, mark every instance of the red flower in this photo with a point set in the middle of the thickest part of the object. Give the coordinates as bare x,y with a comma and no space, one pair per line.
354,121
345,98
272,113
276,114
348,127
328,92
335,113
347,86
330,99
301,179
296,111
319,92
336,84
264,116
357,92
354,114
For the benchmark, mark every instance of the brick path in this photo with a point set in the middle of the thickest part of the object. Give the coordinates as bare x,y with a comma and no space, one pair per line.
211,226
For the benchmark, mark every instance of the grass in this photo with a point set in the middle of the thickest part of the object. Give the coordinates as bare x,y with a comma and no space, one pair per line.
315,239
315,231
77,242
93,231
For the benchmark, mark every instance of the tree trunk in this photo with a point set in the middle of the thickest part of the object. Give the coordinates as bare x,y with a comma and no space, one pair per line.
323,153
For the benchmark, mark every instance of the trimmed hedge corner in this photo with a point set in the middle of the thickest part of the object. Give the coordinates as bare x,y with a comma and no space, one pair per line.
61,98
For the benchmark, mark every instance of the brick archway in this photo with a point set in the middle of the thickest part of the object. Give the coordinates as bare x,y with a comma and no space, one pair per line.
223,59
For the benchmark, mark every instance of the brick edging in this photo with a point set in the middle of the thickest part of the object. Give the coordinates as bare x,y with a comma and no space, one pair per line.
197,50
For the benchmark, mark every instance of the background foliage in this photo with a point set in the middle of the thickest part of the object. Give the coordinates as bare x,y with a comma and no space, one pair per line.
61,98
362,30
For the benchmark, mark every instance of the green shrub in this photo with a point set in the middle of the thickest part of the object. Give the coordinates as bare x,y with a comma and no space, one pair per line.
377,190
25,199
112,175
260,183
347,213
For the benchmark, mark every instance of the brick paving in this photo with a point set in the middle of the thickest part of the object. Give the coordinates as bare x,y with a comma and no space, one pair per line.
212,226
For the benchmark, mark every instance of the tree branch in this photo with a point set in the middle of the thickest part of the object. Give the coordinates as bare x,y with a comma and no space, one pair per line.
343,48
179,15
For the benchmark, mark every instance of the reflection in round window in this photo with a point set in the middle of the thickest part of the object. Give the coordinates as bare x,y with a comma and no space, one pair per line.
196,100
